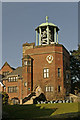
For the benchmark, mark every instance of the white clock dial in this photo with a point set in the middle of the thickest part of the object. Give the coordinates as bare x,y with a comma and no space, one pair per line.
49,58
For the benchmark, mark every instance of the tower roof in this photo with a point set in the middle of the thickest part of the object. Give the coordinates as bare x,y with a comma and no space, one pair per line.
47,24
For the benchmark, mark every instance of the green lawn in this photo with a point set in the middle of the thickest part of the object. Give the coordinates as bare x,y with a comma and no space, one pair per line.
62,108
29,112
25,111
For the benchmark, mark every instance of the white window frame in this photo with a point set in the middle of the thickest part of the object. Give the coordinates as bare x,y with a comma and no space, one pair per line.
46,73
46,89
9,79
49,88
12,89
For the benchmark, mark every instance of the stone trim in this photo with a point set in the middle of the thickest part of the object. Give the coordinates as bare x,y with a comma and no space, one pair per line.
45,53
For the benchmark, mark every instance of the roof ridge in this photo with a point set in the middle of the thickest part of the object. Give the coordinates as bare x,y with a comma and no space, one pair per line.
6,63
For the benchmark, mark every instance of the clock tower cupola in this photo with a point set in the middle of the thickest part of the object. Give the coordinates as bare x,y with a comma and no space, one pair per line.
47,32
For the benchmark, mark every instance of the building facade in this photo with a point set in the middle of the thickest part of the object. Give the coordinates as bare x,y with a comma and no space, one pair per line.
46,65
45,68
4,71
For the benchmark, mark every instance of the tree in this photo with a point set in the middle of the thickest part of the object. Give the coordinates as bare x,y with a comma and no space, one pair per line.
4,98
75,69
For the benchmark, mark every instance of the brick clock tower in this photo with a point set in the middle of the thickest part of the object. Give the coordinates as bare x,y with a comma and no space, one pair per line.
45,67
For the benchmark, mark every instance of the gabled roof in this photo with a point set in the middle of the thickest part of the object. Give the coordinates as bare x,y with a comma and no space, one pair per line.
8,65
17,71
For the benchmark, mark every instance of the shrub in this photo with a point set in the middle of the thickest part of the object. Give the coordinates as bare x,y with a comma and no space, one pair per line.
4,98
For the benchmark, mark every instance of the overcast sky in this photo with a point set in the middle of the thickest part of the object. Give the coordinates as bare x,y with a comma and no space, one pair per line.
21,19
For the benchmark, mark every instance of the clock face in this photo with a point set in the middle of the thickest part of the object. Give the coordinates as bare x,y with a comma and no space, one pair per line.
49,58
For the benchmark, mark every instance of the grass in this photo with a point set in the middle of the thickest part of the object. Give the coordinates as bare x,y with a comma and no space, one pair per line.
62,108
25,111
39,111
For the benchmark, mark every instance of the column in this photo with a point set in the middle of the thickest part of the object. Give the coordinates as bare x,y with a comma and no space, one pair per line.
36,38
39,36
47,34
55,35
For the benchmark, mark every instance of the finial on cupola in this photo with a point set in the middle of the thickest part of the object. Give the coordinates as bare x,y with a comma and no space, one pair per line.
46,18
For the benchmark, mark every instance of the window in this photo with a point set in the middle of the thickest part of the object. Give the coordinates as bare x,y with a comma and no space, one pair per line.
12,79
12,89
9,79
25,62
29,89
16,78
46,73
5,73
59,72
49,88
28,62
25,84
46,89
59,88
67,76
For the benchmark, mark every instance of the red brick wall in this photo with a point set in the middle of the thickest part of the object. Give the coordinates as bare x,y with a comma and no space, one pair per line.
26,74
18,83
39,55
38,63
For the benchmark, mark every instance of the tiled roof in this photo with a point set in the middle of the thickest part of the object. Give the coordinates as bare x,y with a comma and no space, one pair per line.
17,71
